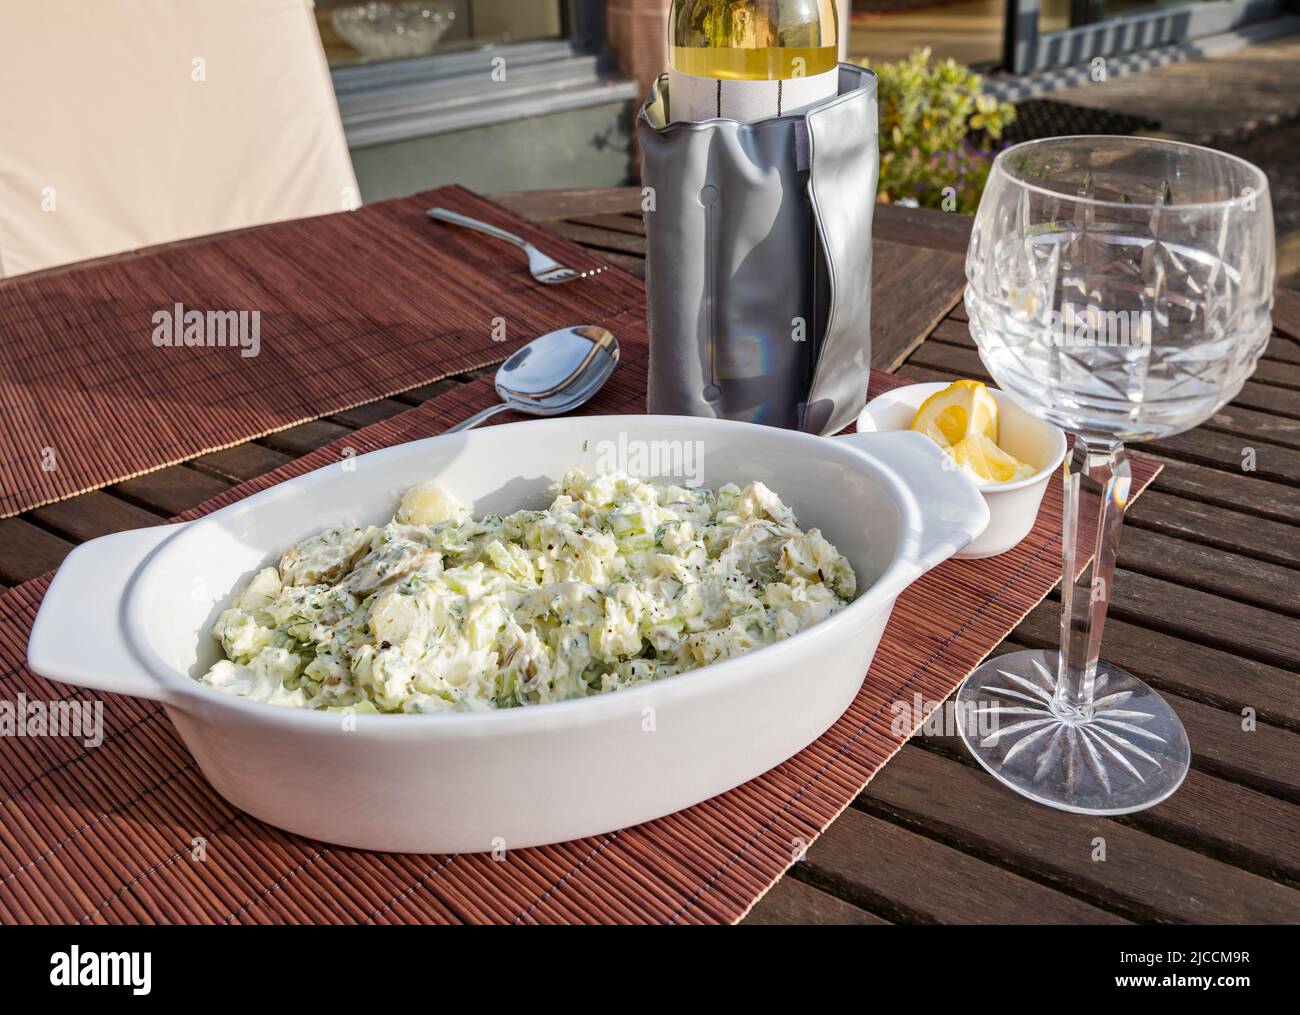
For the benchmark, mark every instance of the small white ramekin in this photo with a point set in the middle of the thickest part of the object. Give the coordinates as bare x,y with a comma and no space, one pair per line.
1013,507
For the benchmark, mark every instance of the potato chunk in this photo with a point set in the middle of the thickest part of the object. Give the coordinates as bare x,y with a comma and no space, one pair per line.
430,504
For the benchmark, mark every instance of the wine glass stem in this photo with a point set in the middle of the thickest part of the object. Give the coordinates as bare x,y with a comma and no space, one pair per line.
1097,479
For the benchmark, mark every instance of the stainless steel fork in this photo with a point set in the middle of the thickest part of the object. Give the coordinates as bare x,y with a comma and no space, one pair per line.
545,269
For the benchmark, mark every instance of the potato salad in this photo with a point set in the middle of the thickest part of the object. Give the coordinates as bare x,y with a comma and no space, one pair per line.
618,582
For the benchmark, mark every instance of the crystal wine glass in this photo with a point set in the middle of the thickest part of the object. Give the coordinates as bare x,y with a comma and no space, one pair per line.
1120,288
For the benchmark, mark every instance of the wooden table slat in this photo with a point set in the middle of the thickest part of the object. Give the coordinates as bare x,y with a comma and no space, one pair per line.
1218,816
1253,425
414,396
242,462
1282,375
1206,446
1236,495
1266,757
912,290
171,490
926,228
1284,350
915,879
92,515
633,224
1286,313
549,206
28,550
597,238
1215,525
371,412
1267,398
305,437
791,901
1234,576
1205,618
1143,876
1194,671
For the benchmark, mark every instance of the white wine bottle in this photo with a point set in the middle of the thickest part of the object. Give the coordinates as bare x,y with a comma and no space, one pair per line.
751,59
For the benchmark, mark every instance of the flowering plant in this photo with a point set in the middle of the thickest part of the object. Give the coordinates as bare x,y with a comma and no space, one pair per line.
927,112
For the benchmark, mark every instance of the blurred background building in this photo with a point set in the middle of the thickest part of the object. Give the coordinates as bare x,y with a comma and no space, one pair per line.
523,94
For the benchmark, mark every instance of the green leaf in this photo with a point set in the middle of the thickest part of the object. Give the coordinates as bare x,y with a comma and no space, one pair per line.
927,111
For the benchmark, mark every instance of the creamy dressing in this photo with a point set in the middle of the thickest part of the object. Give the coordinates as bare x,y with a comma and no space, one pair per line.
618,582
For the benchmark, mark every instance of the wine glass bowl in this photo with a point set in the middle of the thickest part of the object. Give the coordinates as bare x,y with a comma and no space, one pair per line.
1120,288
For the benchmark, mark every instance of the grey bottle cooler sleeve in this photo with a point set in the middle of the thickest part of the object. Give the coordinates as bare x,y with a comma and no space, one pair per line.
758,275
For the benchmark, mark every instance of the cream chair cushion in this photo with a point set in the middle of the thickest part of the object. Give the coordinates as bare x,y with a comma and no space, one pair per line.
126,123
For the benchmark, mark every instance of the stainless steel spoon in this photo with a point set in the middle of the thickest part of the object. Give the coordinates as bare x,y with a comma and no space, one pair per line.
553,374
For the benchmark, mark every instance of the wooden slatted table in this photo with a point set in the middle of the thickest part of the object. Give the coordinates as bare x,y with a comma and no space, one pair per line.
1207,608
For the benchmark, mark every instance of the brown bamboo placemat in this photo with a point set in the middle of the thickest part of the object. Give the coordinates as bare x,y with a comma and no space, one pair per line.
108,835
354,306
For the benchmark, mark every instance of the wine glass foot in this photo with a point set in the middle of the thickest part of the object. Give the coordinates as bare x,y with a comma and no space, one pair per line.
1129,753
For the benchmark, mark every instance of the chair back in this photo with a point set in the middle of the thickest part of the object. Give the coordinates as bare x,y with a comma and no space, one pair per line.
129,123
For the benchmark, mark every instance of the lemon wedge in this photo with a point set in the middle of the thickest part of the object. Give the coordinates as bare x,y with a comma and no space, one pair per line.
984,461
963,409
963,420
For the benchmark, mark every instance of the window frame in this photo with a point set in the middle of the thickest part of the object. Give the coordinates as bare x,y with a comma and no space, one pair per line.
395,100
1026,50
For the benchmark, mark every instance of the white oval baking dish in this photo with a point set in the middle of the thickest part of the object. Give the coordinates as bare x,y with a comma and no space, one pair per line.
131,613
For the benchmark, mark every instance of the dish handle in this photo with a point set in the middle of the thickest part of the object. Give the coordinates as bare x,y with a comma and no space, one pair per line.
79,636
951,508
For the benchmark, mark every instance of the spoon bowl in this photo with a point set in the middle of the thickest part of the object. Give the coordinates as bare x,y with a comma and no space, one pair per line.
553,374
